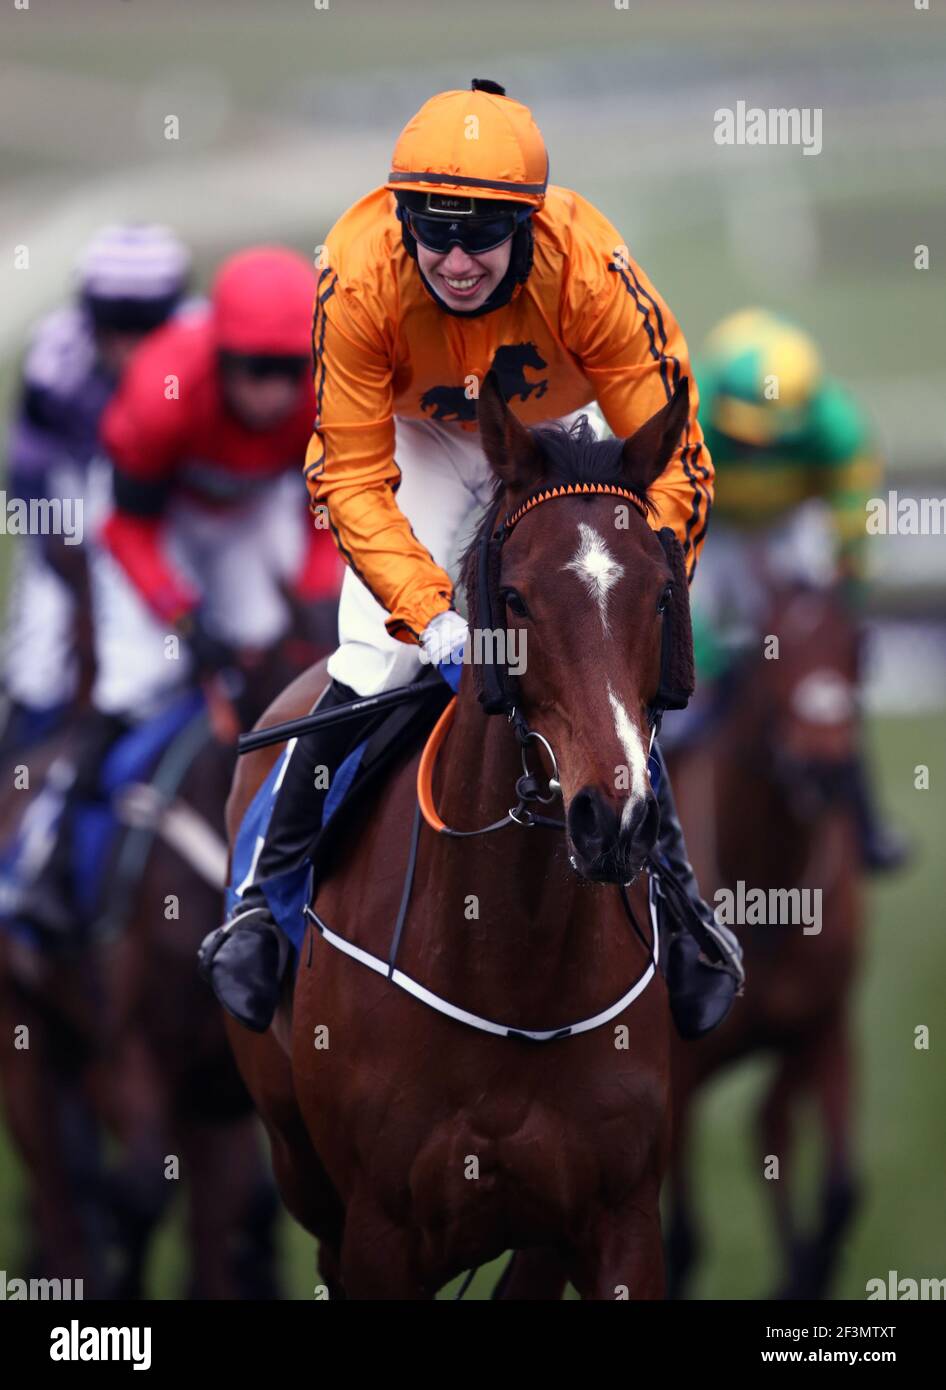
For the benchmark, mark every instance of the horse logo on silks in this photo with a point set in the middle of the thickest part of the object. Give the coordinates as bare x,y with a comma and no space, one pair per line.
509,364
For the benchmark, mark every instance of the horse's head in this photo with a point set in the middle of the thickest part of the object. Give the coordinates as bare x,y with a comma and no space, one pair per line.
584,589
807,698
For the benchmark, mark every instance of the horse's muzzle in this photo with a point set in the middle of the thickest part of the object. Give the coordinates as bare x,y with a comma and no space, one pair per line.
610,843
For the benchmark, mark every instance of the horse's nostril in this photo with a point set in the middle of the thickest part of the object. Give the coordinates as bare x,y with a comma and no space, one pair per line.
640,829
611,846
592,823
582,819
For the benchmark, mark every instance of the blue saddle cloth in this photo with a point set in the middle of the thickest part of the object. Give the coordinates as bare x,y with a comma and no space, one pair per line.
287,894
382,743
131,759
96,829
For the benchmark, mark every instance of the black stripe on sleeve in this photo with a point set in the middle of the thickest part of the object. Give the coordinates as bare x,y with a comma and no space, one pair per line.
318,337
689,452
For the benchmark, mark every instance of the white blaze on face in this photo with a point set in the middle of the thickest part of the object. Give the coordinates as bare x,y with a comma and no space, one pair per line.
629,737
597,567
824,697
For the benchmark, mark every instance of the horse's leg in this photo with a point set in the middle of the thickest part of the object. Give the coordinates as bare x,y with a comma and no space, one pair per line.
257,1260
533,1274
139,1186
831,1079
231,1255
683,1235
80,1137
775,1132
330,1272
622,1257
379,1257
38,1103
301,1179
51,1122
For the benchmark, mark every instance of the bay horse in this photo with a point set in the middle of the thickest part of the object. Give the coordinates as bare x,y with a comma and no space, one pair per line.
44,1012
42,1099
765,800
167,1082
125,1042
414,1144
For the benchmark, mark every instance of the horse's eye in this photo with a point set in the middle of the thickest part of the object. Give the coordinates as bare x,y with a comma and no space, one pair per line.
515,602
665,598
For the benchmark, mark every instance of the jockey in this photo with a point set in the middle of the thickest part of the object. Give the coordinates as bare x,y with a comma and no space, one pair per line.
465,260
130,280
795,466
207,525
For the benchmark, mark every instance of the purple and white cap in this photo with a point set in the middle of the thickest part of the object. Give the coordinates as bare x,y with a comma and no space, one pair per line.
134,262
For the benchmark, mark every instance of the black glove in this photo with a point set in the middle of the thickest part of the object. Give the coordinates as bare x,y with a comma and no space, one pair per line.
209,653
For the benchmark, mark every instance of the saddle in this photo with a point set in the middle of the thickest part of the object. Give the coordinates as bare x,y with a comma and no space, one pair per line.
383,744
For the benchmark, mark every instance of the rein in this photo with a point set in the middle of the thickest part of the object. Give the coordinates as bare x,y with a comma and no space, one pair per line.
527,786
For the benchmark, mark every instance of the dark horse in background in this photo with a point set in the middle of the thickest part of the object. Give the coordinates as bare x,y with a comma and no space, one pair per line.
765,800
414,1146
46,1113
128,1067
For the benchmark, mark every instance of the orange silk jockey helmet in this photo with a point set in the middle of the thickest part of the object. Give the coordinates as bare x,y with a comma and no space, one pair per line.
478,144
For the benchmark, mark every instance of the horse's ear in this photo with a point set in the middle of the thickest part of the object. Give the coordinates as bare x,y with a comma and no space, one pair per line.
649,449
507,444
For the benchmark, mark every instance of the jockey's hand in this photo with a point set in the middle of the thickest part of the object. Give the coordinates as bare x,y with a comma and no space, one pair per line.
219,675
443,641
209,653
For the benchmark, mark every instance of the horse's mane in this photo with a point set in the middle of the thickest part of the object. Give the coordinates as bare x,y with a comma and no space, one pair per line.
572,454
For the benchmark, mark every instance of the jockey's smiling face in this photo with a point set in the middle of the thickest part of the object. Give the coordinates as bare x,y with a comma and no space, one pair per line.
463,281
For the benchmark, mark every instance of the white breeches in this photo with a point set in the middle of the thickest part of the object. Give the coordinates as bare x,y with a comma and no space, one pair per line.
237,559
40,665
40,669
445,483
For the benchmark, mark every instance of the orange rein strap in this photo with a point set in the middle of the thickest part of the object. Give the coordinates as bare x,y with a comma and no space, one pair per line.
516,815
425,770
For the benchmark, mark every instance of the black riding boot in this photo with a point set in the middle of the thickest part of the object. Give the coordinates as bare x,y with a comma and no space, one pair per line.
244,961
701,993
883,849
48,902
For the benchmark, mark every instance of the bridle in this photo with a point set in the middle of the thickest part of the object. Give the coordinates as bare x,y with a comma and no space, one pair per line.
500,691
